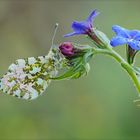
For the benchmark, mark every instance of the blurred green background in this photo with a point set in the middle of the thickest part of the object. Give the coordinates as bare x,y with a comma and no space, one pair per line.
99,106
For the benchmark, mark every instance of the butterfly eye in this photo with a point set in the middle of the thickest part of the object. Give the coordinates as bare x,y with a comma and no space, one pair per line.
28,78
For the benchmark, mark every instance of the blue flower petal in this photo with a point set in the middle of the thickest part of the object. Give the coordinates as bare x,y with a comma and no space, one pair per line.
124,36
135,34
116,41
134,44
120,31
72,34
80,26
92,16
137,37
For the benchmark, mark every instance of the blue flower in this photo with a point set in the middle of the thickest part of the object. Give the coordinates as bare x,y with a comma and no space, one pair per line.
125,36
83,27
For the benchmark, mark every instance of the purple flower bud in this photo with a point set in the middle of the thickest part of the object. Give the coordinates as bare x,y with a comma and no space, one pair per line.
67,49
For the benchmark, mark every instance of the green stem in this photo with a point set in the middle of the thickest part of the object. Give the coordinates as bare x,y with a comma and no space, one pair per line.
123,63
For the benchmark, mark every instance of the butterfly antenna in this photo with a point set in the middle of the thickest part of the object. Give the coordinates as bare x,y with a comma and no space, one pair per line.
55,30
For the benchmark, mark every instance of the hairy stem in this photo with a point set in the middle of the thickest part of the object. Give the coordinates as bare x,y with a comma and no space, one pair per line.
123,63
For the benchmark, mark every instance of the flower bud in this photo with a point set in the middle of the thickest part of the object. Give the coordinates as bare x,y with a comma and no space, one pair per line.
72,51
67,49
130,53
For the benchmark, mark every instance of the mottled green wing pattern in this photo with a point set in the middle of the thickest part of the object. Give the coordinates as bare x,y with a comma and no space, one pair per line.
29,78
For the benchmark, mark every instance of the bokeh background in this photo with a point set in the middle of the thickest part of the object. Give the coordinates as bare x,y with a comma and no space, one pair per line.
99,106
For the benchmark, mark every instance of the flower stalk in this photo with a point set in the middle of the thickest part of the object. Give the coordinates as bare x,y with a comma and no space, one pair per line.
103,45
123,63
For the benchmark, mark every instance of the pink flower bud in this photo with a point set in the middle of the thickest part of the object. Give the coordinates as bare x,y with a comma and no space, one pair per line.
67,49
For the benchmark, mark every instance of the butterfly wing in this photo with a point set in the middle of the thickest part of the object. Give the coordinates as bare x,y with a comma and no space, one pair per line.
28,78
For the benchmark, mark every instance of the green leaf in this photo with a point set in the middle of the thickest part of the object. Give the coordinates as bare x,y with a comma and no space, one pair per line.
79,68
103,38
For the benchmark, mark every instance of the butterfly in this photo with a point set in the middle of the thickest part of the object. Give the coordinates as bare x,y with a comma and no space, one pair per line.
28,78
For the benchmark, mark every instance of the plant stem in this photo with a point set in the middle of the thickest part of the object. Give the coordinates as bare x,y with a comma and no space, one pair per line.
123,63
